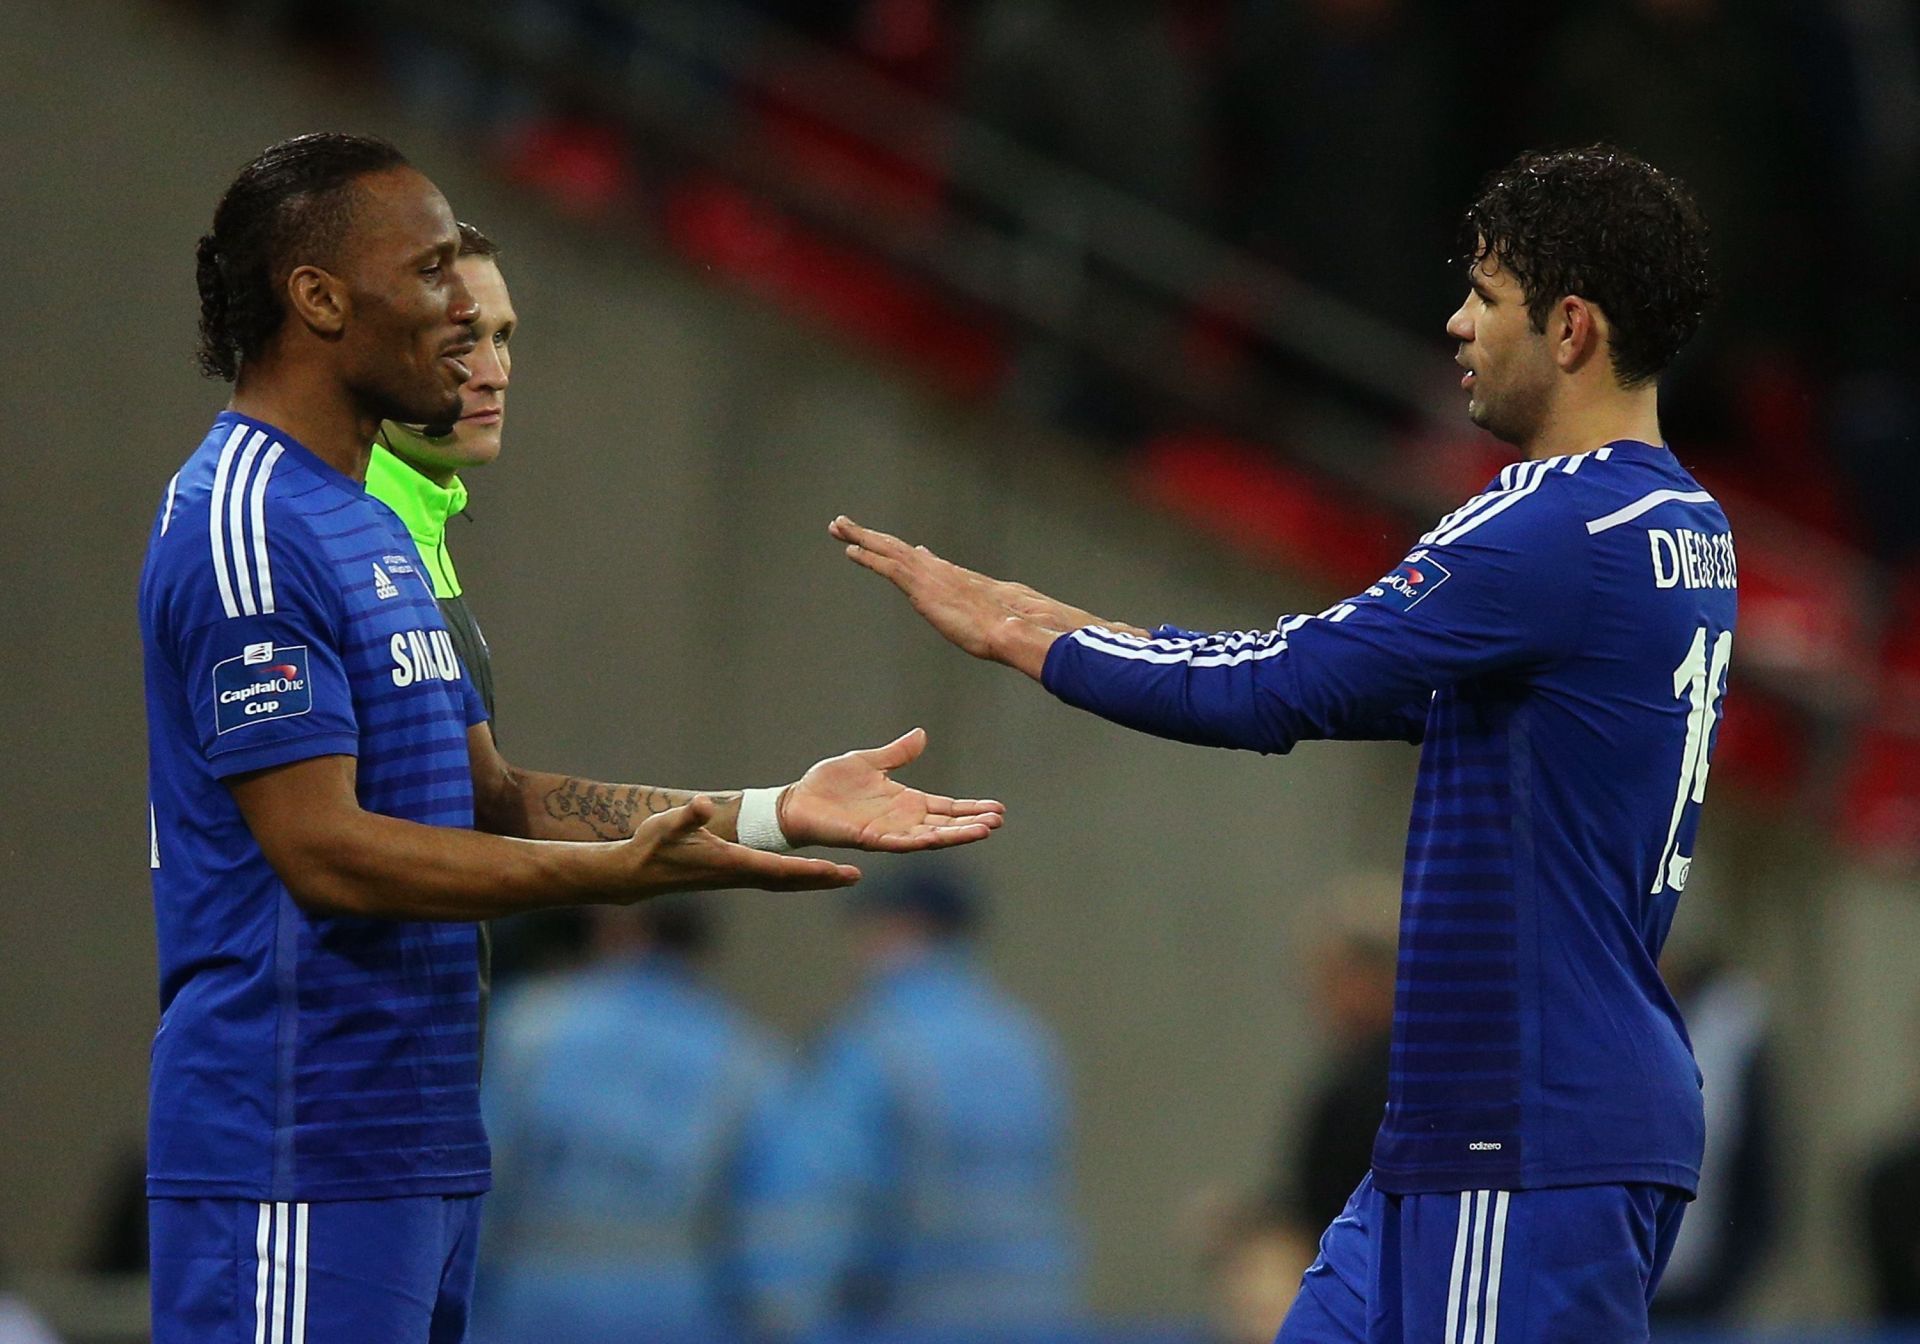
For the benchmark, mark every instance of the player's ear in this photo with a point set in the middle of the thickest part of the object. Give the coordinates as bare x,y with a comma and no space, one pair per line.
1580,332
318,299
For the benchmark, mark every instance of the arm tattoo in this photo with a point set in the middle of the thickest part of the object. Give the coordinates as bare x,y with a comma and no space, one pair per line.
614,811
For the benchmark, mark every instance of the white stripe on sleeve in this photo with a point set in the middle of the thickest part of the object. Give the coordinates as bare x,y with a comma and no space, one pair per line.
1529,482
166,514
262,566
215,531
1092,637
237,521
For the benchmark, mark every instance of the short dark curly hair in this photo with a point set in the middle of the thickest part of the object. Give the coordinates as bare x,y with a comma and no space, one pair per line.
291,206
1600,223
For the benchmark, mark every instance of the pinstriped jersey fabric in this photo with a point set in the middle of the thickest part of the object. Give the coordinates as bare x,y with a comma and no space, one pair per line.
299,1057
1560,646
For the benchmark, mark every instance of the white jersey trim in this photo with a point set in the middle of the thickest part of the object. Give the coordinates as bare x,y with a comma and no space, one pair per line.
1491,506
262,566
299,1332
262,1272
278,1334
1456,1276
215,506
1646,503
237,523
1496,1253
1479,1252
1190,652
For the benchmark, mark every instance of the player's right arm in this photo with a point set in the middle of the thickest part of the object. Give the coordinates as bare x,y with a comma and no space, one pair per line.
336,858
249,619
1502,589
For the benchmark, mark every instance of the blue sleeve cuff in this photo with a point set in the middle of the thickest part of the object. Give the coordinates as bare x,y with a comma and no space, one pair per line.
1056,657
283,751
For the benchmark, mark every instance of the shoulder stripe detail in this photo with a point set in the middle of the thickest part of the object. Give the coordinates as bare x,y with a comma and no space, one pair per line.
166,514
1646,503
215,532
262,565
1528,482
237,521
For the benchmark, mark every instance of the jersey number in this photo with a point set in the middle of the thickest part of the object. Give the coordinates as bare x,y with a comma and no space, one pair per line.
1702,683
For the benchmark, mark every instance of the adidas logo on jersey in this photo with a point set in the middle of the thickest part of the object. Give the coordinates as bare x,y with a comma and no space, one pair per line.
383,587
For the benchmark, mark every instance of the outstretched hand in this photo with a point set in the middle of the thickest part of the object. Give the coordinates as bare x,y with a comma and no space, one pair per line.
674,851
988,618
852,801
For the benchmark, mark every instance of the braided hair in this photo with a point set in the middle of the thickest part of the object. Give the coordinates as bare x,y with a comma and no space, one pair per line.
290,207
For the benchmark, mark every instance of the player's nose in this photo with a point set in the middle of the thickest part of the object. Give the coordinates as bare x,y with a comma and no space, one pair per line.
1460,326
462,307
489,370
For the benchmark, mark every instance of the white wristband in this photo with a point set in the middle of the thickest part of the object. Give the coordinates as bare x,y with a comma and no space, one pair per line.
759,824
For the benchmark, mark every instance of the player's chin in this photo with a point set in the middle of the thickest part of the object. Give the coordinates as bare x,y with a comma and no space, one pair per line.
434,407
478,446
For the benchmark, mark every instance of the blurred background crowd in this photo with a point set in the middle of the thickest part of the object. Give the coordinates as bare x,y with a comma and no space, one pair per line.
1214,241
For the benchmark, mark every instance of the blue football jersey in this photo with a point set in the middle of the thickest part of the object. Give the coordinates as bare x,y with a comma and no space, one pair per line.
1559,644
299,1056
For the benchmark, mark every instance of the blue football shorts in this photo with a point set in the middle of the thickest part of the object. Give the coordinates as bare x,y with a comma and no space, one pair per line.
1573,1265
231,1271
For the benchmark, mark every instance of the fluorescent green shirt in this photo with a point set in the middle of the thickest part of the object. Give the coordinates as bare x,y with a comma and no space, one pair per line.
424,506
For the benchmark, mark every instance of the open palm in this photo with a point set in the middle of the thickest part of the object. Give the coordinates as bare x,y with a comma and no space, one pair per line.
853,802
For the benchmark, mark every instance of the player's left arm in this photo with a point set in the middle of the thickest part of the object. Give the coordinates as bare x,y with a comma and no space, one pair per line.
850,801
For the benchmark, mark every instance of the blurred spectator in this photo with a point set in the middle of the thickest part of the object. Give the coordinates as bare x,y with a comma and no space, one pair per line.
119,1244
1340,128
18,1322
1110,89
1253,1262
1891,1191
616,1098
1867,71
1353,986
1706,89
1103,86
1893,1231
19,1325
1729,1228
919,1177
